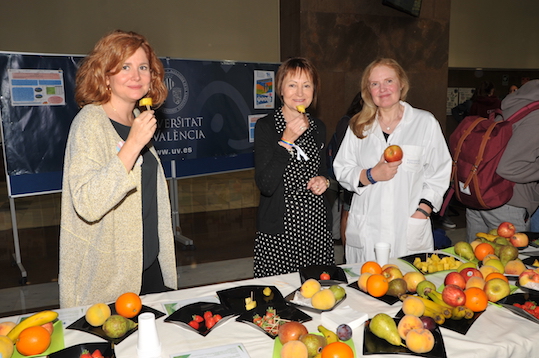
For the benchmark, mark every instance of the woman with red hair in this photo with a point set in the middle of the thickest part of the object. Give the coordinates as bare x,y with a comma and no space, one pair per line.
116,231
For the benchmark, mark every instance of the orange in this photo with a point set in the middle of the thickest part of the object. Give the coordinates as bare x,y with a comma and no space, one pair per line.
476,299
482,250
128,305
33,340
337,350
372,267
377,285
492,275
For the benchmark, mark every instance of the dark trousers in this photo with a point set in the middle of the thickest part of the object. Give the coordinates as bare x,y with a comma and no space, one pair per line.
152,280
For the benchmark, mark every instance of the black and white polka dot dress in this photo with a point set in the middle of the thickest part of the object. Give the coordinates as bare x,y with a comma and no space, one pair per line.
306,240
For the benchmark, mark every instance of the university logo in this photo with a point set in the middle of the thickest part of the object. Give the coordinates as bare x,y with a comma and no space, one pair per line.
178,91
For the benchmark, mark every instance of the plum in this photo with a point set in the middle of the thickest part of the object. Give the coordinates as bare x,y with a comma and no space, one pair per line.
344,332
428,323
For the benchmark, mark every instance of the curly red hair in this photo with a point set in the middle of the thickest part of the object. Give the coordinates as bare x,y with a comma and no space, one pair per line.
106,59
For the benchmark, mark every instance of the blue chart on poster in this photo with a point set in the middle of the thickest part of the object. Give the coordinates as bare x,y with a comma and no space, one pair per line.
206,125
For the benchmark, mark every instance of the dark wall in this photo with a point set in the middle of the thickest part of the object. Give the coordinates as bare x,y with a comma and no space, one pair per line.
342,37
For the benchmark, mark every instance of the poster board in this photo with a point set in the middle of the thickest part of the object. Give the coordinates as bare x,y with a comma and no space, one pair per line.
205,126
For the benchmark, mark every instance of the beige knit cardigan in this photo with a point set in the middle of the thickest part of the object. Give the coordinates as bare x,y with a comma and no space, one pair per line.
101,223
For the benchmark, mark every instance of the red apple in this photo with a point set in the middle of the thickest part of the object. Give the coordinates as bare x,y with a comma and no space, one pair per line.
506,229
392,273
291,331
453,295
496,289
528,275
393,153
520,239
49,327
455,278
469,272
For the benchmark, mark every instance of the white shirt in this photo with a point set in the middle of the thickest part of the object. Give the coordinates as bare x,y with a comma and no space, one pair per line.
382,211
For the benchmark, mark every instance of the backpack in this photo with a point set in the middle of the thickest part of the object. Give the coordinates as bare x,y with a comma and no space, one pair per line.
477,146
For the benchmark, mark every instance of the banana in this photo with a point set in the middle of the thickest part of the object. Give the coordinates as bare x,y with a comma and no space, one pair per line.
37,319
331,336
487,236
437,297
457,313
469,313
444,311
436,316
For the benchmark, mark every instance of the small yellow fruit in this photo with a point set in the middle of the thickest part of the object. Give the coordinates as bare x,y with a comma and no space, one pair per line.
6,347
97,314
310,287
323,300
413,306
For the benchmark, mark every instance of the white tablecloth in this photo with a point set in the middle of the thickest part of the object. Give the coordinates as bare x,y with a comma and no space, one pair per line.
496,333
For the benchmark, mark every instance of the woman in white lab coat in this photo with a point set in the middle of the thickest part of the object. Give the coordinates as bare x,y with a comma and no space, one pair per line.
392,201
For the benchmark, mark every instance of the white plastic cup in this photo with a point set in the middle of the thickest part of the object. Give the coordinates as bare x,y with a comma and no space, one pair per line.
148,345
381,250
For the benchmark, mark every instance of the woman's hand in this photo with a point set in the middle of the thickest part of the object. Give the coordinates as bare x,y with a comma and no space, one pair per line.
318,185
142,130
384,171
295,127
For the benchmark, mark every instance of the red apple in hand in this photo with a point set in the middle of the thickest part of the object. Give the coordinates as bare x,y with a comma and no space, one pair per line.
469,272
506,229
455,278
520,239
393,153
453,295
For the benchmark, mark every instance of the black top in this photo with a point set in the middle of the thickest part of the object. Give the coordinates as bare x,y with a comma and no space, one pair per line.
150,238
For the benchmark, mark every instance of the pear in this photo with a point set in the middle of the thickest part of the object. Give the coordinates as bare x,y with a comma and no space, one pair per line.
338,292
117,326
502,241
493,232
508,253
465,250
384,327
314,343
422,286
396,287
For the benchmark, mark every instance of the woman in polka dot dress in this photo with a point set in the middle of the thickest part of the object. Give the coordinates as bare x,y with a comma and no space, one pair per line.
293,227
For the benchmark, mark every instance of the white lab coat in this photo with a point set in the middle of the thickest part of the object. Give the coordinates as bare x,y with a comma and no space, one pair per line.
382,211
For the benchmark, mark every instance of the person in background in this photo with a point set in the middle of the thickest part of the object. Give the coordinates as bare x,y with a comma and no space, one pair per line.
520,164
513,88
354,108
293,228
392,201
116,229
484,101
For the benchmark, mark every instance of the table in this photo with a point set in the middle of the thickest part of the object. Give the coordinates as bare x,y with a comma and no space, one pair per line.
496,333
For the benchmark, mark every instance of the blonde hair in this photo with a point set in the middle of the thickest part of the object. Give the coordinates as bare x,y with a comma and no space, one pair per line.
106,59
364,119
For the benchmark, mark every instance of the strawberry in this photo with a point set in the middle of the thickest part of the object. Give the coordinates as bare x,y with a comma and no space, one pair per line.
198,318
97,354
85,354
207,315
194,324
210,322
217,318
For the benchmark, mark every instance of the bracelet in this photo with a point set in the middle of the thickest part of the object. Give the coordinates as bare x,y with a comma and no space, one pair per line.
423,212
287,142
369,176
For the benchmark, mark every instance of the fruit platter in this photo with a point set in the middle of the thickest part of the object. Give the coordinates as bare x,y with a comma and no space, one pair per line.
200,317
94,350
327,275
384,335
429,263
56,342
313,296
245,298
295,341
268,318
116,321
523,305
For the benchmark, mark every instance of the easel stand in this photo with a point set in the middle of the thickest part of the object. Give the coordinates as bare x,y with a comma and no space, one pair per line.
174,199
17,254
